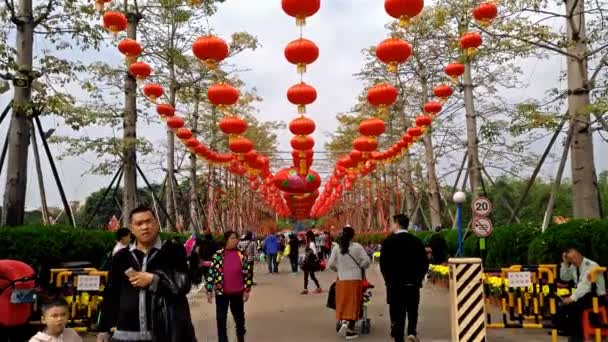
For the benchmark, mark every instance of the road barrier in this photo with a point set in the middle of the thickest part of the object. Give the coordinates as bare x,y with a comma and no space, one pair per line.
467,308
601,321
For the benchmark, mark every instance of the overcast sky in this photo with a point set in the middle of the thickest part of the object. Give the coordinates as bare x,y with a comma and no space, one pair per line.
341,29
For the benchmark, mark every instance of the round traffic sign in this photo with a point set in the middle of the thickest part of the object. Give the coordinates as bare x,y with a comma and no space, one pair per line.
482,227
481,206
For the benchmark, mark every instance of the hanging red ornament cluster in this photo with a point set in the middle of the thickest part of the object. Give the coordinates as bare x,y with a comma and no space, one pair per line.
404,10
301,9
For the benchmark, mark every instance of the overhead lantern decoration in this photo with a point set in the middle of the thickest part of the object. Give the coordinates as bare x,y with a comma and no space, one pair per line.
301,52
365,144
372,127
403,10
301,9
140,70
302,126
454,70
301,95
470,42
183,134
414,132
393,51
302,142
223,95
100,4
240,145
210,50
114,22
153,91
130,48
165,110
443,92
381,96
233,125
175,122
432,107
485,13
423,121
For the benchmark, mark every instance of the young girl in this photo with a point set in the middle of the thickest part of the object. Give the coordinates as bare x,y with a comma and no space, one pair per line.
311,262
55,317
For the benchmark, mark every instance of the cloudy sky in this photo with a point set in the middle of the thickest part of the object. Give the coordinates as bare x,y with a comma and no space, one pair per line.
341,29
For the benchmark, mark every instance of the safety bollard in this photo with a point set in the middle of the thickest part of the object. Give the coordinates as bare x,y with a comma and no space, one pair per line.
467,304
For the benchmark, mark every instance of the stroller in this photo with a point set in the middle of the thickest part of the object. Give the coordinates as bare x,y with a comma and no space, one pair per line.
363,325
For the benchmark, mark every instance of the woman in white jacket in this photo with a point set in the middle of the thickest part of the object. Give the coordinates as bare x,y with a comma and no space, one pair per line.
350,260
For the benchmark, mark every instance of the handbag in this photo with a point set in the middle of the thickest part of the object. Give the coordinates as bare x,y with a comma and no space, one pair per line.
331,296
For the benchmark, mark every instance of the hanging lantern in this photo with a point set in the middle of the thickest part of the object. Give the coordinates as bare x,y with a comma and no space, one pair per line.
469,42
301,95
301,9
365,144
140,70
302,126
432,107
233,125
175,122
114,22
153,91
414,132
131,49
100,4
210,50
223,94
404,10
165,110
443,91
301,52
183,134
382,95
454,70
393,51
302,142
191,143
408,139
240,145
371,127
485,13
423,120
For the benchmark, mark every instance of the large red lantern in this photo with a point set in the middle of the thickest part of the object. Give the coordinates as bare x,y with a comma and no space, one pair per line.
301,95
302,126
191,143
454,70
233,125
175,122
485,13
223,94
469,42
423,120
393,51
365,144
432,107
414,131
404,10
371,127
165,110
382,95
140,70
302,142
130,48
443,91
183,133
301,52
211,50
301,9
114,22
153,91
240,145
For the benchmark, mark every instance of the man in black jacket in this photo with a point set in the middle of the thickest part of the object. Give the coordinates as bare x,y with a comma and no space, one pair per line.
403,263
146,297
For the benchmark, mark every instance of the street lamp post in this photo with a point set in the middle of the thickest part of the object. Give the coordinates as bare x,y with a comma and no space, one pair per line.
459,198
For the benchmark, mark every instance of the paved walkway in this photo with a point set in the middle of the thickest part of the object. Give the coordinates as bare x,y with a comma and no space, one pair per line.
277,312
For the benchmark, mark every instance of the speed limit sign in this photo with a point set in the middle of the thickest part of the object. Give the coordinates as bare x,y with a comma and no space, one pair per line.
482,227
481,206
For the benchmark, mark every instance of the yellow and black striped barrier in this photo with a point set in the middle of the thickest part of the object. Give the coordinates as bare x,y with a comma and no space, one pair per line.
467,309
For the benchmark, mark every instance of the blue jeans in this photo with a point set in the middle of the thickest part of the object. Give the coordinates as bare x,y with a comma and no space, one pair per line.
273,267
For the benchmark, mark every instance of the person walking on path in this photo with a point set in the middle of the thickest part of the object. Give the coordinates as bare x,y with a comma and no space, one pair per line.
294,252
311,263
350,260
271,248
230,278
403,264
146,297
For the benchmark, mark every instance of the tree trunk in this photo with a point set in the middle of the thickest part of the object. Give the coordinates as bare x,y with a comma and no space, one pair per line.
43,205
129,191
171,208
194,217
474,170
557,182
584,186
410,192
13,210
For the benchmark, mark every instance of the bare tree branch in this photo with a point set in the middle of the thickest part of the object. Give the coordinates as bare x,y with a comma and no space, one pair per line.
44,15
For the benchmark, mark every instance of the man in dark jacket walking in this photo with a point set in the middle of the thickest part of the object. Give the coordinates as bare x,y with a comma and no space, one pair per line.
146,297
403,263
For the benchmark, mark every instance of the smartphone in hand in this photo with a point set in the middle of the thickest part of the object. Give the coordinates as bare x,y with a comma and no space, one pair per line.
130,272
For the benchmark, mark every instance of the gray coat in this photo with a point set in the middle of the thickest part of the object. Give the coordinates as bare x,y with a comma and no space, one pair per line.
346,267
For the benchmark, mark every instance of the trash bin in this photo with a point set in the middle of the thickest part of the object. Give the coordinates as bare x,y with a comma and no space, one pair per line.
17,286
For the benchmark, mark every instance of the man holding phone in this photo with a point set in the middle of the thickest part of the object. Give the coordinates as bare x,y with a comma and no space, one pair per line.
146,297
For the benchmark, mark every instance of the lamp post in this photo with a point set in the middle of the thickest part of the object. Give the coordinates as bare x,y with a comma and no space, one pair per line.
459,198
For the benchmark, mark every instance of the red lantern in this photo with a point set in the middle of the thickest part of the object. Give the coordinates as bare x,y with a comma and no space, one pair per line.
485,13
454,70
153,91
175,122
306,154
223,94
355,156
140,70
240,145
414,131
382,95
469,42
365,144
302,142
165,110
408,139
183,133
301,52
130,48
301,95
423,121
251,156
301,9
302,126
114,22
191,143
404,10
443,91
371,127
211,50
233,125
393,51
432,107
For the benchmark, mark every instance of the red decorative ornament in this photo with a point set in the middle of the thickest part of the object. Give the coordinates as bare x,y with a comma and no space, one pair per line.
382,95
114,22
183,133
175,122
301,95
130,48
140,70
233,125
372,127
211,50
223,94
365,144
153,91
414,131
191,143
404,10
251,156
408,139
469,42
302,142
443,91
165,110
301,52
240,145
302,126
423,121
301,9
454,70
393,51
432,107
485,13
